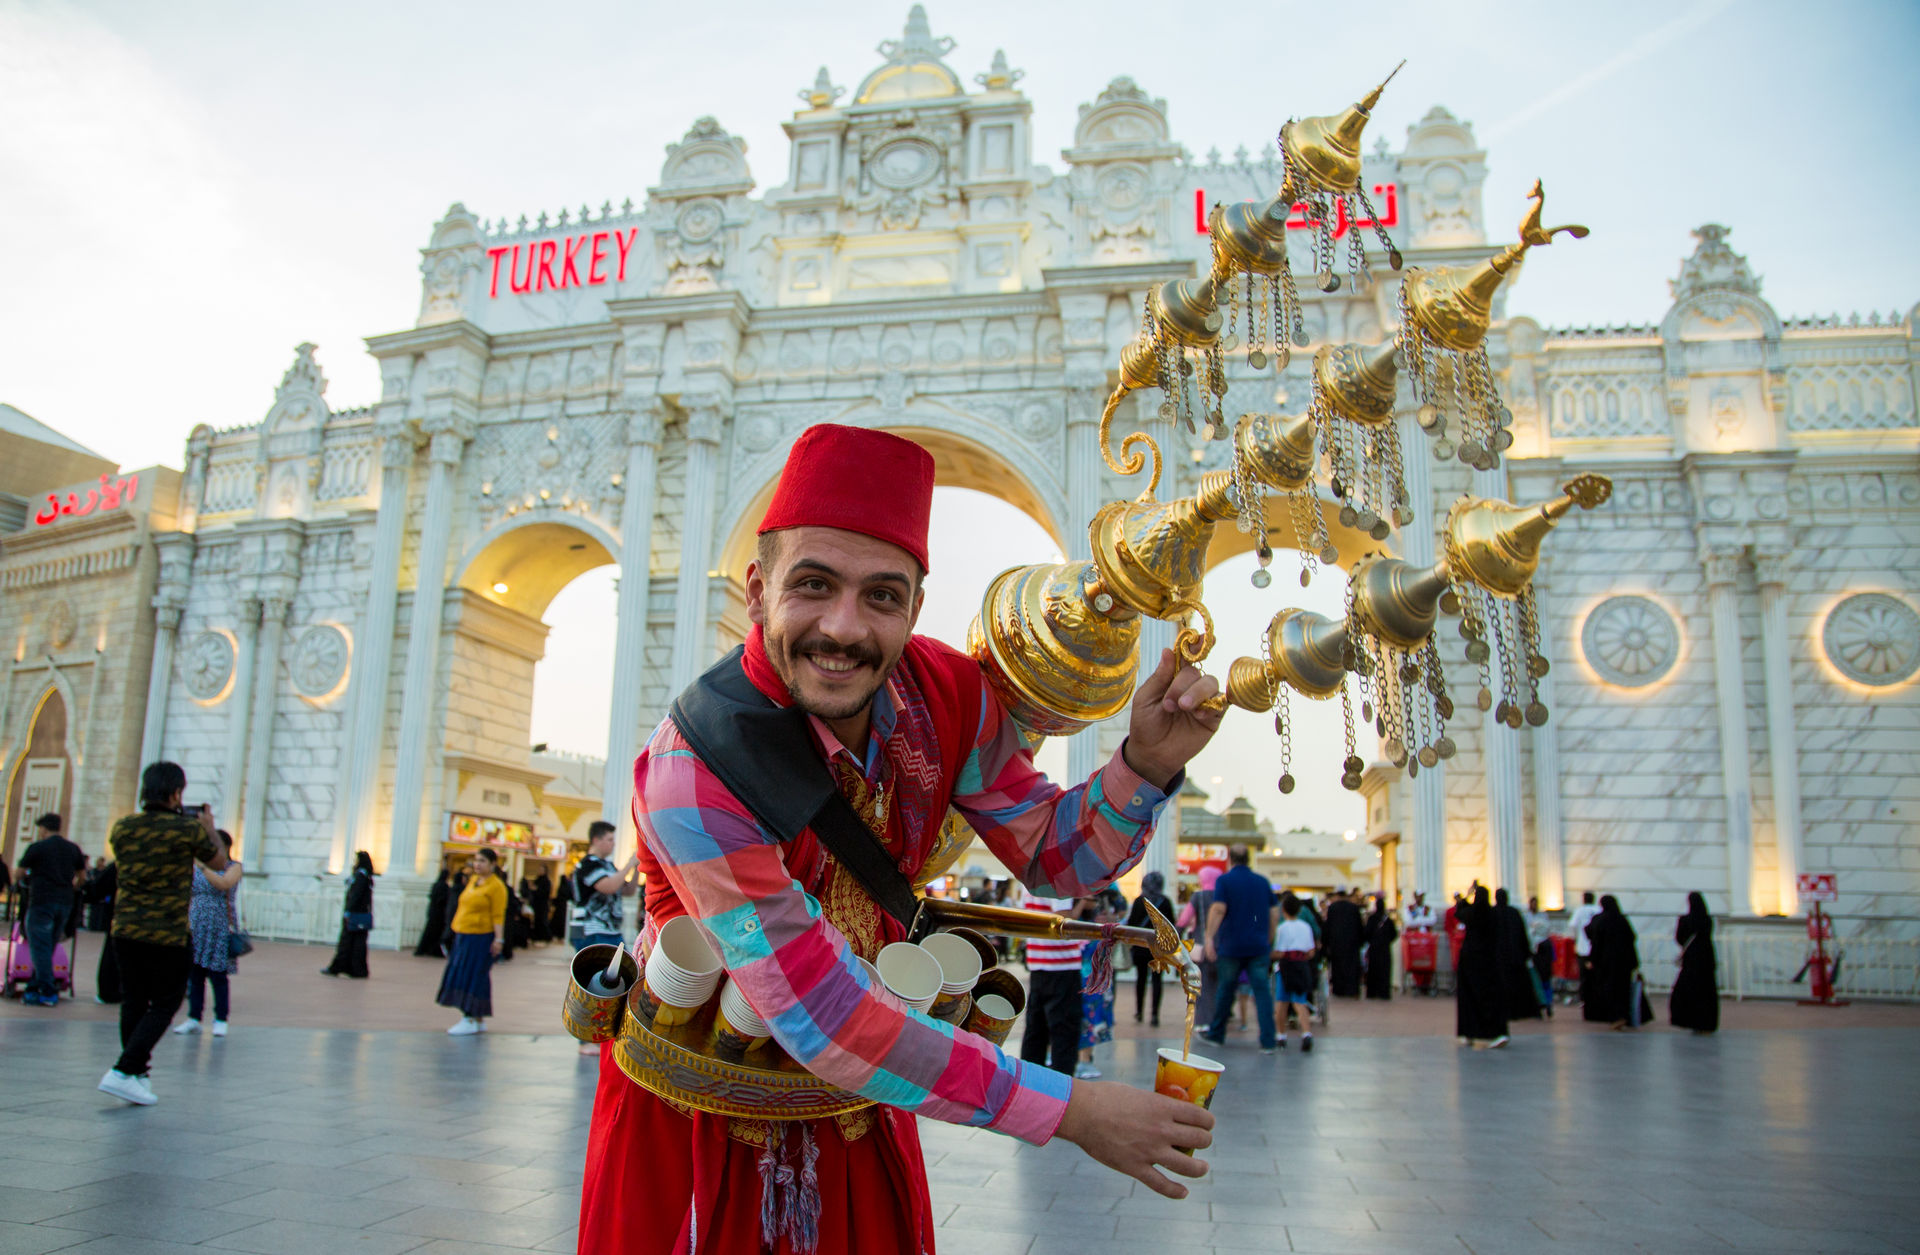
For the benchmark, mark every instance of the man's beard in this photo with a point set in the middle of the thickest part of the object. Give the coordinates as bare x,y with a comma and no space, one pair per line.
788,661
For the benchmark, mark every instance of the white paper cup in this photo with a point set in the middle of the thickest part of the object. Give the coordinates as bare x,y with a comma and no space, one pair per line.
873,973
959,962
682,970
911,973
739,1026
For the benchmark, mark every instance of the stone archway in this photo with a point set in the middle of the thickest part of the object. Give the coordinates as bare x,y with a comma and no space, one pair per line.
41,778
961,459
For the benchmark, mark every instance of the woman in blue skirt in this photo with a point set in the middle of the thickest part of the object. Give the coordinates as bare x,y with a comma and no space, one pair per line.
479,925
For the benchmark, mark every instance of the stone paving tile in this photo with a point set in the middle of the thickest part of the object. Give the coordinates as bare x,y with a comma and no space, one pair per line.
294,1237
398,1141
444,1222
187,1225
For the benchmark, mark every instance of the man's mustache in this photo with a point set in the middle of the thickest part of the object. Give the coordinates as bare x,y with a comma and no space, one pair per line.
825,648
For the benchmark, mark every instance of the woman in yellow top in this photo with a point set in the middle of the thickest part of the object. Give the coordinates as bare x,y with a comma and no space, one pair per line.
479,923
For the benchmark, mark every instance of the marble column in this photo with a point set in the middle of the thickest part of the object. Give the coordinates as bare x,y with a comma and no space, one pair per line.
691,649
630,641
169,603
273,630
239,711
1721,564
1502,754
1083,498
373,649
1783,756
166,631
417,704
1428,830
1549,845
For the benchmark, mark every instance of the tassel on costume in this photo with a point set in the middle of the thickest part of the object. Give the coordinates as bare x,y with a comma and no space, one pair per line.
1100,965
790,1192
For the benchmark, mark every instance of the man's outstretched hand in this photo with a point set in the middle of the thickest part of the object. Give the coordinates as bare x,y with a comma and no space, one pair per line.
1138,1132
1169,724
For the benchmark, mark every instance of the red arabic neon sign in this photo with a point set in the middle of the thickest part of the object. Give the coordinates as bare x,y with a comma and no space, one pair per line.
110,495
555,265
1299,221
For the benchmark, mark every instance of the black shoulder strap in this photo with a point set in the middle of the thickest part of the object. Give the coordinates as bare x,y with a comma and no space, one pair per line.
762,754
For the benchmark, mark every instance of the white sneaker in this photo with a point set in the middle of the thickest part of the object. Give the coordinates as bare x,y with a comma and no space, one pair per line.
219,1028
187,1027
1086,1072
466,1027
133,1089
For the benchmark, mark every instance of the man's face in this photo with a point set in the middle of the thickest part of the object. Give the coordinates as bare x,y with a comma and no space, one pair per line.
601,845
837,610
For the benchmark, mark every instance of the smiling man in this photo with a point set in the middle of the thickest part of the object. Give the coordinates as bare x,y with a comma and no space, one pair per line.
907,728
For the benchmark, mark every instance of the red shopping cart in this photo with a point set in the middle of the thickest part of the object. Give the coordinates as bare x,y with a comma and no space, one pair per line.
1420,954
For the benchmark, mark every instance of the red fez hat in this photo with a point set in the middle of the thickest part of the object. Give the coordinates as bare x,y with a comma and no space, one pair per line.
870,482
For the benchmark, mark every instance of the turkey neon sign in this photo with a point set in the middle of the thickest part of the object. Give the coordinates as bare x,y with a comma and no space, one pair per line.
578,261
1299,221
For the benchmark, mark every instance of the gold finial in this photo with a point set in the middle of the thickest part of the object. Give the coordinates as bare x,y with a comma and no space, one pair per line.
1372,98
1532,233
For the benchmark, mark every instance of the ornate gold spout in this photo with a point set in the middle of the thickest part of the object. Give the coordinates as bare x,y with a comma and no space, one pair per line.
1358,382
1496,544
1326,153
1454,305
1327,149
1305,651
1060,642
938,913
1397,601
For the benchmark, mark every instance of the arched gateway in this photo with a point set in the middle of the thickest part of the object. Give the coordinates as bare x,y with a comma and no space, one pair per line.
349,614
621,386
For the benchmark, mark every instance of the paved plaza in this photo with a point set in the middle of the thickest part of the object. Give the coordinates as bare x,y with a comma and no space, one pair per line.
316,1140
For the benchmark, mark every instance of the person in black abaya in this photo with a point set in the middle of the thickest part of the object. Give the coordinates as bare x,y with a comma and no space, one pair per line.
1381,934
1696,991
356,921
1342,939
540,898
1152,893
1515,959
430,946
1480,1017
1616,961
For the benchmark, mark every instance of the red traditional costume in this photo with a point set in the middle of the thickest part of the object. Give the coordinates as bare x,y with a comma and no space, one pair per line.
788,919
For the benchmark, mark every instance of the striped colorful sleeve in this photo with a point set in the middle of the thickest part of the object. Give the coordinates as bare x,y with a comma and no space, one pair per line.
1060,842
798,972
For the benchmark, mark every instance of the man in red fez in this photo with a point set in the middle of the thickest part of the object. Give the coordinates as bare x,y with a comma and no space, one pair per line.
907,728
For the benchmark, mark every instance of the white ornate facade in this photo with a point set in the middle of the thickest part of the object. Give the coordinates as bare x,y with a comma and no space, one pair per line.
360,591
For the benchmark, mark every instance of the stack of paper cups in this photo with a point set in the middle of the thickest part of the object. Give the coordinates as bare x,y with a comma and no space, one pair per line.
911,973
959,968
739,1026
682,971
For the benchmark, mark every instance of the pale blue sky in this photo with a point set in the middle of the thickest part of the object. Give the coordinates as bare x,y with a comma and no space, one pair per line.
189,189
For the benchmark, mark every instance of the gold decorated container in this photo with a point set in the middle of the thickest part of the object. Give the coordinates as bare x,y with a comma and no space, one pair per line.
594,1017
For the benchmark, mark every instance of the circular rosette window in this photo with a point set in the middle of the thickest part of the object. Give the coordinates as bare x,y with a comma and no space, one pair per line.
1630,642
1873,639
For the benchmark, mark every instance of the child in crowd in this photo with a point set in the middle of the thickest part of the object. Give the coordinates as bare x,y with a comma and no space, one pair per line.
1293,980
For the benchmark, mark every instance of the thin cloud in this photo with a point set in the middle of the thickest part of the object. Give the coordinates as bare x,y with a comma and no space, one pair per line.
1641,48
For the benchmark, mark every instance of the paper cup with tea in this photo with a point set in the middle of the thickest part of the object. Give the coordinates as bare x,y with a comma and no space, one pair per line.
1190,1078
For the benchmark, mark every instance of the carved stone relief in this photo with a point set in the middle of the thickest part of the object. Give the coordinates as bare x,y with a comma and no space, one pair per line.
319,660
206,664
1873,639
1630,641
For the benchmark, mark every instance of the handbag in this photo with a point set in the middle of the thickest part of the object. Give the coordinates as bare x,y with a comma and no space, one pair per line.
358,921
238,943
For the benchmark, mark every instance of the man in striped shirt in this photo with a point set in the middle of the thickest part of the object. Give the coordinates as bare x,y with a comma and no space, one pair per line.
908,728
1052,1034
